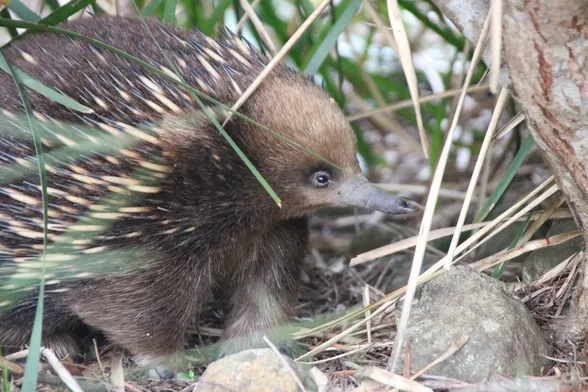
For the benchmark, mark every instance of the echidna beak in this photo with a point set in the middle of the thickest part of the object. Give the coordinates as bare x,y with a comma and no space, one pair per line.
357,191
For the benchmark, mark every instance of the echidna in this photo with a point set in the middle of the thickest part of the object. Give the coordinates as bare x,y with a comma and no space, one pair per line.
171,203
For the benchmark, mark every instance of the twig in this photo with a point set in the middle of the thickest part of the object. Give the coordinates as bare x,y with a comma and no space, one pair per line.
61,371
405,56
11,366
116,371
392,380
357,350
368,323
259,26
320,379
476,173
17,355
98,359
245,18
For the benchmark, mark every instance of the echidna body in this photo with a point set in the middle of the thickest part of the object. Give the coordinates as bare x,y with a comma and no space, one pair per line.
172,204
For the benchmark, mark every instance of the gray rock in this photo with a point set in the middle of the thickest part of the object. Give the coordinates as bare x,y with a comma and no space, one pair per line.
542,260
503,337
259,370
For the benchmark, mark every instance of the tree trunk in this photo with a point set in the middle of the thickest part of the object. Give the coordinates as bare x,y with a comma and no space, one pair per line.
546,56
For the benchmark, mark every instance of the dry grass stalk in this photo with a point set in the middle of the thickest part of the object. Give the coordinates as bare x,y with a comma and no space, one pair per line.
511,124
60,370
455,347
366,303
542,217
245,17
17,355
500,103
530,246
116,371
11,366
496,43
392,380
336,357
432,203
259,26
548,193
320,348
276,59
558,269
405,56
320,379
408,103
285,363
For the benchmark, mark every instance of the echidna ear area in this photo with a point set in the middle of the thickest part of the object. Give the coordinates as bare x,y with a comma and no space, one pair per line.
101,169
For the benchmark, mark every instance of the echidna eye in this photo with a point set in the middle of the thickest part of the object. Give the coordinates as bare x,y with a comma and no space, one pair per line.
321,179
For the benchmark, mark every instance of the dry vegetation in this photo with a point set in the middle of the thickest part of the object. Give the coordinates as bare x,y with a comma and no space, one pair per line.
490,174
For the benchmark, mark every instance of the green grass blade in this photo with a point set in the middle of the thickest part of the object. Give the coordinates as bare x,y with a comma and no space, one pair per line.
54,4
22,11
32,363
96,9
413,7
319,52
499,270
12,31
506,179
149,10
169,13
209,25
62,13
5,379
196,15
40,88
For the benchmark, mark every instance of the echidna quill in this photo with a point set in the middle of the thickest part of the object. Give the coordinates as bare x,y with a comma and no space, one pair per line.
203,224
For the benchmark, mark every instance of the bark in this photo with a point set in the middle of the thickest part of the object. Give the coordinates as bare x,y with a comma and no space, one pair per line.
546,55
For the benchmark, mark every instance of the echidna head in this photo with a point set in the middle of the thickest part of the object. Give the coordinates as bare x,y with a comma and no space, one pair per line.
313,162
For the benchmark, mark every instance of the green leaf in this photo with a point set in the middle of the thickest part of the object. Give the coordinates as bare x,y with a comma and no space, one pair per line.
32,363
62,13
446,34
59,15
150,8
497,273
169,13
5,380
506,179
40,88
319,52
209,25
23,12
12,31
54,4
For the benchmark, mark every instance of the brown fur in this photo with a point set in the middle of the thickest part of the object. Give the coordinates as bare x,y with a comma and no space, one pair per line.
224,234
